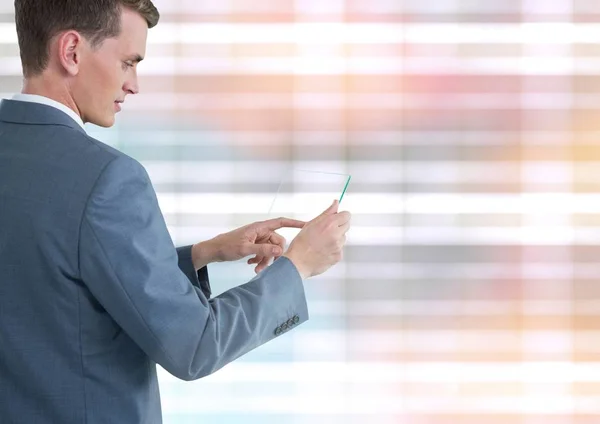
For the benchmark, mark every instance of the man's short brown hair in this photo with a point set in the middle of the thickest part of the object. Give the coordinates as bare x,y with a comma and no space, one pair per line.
40,20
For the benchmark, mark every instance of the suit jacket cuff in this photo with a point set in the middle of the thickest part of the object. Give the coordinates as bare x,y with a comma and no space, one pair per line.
198,279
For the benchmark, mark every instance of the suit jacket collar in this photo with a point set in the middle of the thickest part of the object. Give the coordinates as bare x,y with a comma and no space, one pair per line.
35,114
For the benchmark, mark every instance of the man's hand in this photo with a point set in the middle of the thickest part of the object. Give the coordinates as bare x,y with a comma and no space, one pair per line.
320,244
258,239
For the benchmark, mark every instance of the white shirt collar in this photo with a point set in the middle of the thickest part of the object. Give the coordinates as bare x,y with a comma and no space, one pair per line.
34,98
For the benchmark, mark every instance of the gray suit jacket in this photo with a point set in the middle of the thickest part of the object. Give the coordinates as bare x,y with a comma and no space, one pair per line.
93,292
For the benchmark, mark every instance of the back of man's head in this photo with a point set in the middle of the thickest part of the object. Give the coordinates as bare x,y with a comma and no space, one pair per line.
39,20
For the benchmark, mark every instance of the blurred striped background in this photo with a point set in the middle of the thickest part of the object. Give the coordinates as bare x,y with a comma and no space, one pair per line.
469,293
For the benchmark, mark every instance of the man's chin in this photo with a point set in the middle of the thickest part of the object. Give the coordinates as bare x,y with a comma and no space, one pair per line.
104,122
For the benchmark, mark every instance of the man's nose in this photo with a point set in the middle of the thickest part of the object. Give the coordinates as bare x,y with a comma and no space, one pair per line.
131,85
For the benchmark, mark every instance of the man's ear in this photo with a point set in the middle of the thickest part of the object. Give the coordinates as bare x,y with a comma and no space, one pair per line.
70,45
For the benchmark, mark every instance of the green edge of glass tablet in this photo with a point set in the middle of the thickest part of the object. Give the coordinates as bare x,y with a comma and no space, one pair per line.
345,188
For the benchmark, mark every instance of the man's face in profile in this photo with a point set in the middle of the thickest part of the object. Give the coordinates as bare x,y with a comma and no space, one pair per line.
109,73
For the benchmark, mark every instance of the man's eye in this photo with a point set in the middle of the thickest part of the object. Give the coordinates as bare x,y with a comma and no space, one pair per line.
128,64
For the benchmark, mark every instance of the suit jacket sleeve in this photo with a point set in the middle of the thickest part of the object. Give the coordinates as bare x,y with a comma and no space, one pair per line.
199,278
129,263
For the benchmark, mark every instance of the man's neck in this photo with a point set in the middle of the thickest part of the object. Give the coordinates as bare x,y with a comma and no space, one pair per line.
42,87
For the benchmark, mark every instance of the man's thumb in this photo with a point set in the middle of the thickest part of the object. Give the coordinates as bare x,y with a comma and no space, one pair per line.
332,209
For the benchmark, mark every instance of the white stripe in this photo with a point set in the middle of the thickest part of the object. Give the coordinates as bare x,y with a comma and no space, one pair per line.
331,401
362,33
523,372
164,66
415,236
379,33
533,204
322,387
323,344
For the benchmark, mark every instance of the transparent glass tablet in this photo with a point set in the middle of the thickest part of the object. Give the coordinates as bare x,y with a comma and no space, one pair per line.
305,194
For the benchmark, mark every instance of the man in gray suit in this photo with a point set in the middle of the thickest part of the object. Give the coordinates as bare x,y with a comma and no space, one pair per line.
93,292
